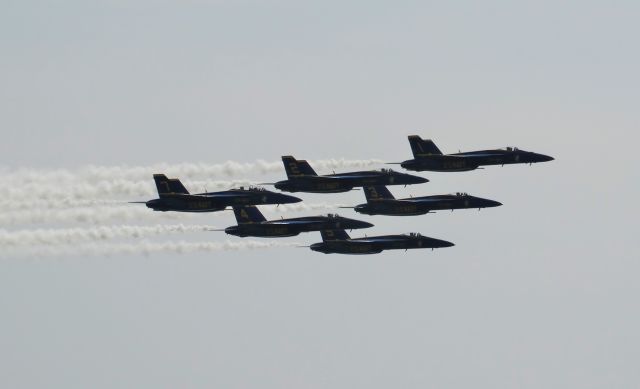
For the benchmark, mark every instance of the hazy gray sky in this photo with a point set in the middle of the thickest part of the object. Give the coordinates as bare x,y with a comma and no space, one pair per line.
539,293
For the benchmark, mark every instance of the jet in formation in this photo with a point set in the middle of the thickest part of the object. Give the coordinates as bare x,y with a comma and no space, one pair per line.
175,197
427,157
339,242
302,178
251,222
380,201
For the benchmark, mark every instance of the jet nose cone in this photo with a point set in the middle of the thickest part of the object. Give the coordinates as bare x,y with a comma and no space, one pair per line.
348,224
438,243
544,158
444,243
416,179
362,224
286,199
491,203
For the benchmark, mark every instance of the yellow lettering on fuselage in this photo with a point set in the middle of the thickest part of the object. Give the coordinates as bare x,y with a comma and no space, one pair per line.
407,208
454,164
328,185
199,204
360,248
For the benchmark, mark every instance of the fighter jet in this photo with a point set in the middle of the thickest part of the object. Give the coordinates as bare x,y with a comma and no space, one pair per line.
427,157
302,178
381,202
251,222
339,242
175,197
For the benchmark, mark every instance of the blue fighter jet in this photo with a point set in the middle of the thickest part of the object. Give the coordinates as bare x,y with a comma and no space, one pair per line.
175,197
302,178
427,157
339,242
251,222
380,201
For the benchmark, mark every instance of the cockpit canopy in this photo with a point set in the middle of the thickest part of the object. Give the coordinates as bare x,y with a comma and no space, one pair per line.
332,215
252,188
461,194
415,234
511,149
387,170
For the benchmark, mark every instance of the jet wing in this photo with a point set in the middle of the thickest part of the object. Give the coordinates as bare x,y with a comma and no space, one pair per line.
318,178
295,222
482,154
221,195
420,200
376,240
357,177
400,201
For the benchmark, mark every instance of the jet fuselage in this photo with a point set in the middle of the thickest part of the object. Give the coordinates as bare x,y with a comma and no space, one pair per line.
472,160
422,205
377,244
343,182
217,201
294,226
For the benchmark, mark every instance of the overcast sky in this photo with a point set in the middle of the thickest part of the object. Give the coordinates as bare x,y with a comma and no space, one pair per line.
539,293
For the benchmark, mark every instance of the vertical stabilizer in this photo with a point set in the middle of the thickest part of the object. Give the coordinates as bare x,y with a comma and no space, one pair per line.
423,147
248,214
378,192
168,186
297,168
334,235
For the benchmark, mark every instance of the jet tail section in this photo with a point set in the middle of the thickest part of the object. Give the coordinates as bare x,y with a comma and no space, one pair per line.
334,235
297,168
377,192
248,214
168,185
423,147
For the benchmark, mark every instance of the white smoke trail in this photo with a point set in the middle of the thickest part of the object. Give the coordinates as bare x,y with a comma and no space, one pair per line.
70,236
93,173
144,248
96,215
65,203
139,213
88,192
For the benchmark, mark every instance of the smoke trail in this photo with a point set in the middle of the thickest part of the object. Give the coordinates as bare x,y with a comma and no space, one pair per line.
93,173
69,236
97,215
145,248
95,192
124,213
65,203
